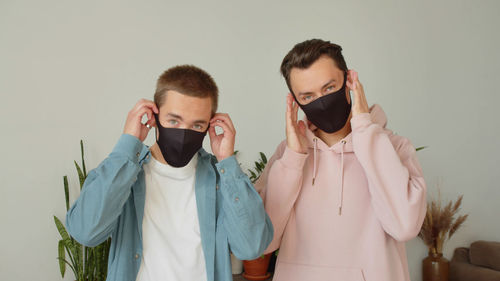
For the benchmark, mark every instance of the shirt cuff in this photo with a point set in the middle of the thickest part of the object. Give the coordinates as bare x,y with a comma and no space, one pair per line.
131,147
229,166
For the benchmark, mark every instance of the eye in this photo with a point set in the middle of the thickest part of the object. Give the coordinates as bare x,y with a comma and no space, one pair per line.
197,127
306,98
173,122
330,89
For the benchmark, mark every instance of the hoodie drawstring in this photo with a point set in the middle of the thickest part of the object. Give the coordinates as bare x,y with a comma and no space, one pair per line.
343,142
314,159
341,177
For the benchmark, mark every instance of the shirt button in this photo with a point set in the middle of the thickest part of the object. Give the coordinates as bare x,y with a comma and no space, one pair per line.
222,171
236,199
137,154
216,186
136,256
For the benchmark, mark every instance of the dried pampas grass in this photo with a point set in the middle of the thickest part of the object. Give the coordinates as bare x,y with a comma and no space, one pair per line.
441,223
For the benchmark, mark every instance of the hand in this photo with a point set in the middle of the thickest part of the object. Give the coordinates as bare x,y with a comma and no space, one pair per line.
295,131
360,104
222,144
134,126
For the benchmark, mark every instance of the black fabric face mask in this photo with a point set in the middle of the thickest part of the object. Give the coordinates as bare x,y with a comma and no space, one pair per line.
178,146
329,112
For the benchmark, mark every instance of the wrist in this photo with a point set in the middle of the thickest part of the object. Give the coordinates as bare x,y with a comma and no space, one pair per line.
222,157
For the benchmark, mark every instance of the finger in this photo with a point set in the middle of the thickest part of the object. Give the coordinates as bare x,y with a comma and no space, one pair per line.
142,111
151,122
295,112
302,128
225,128
225,118
288,115
349,79
146,103
211,133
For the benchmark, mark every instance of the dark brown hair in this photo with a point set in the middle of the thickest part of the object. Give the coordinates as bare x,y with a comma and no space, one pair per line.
304,54
188,80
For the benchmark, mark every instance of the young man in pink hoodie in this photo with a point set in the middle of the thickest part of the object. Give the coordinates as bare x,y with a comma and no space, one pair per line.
342,191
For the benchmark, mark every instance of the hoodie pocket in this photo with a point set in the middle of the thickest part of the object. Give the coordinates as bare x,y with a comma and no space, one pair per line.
286,271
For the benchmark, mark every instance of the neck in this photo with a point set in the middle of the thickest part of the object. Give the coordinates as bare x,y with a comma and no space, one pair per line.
335,137
156,153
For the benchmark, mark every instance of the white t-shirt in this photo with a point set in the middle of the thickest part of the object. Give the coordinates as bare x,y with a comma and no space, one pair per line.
170,228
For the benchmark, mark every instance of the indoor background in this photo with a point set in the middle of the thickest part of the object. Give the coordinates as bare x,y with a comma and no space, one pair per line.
72,70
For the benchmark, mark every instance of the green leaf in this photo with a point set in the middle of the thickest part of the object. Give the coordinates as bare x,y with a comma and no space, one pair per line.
420,148
263,157
261,166
66,192
81,177
65,237
256,164
66,262
61,257
83,160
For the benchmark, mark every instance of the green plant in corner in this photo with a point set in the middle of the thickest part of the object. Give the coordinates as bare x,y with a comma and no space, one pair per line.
258,168
87,263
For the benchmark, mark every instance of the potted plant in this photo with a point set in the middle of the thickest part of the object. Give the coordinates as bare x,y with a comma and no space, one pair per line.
87,263
439,225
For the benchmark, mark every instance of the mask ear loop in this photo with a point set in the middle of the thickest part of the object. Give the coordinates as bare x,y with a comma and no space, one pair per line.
156,127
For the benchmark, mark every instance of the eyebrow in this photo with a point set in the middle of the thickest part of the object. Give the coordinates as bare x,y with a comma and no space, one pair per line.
180,118
326,84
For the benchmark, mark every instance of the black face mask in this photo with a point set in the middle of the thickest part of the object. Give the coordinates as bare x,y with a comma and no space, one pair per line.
178,146
329,112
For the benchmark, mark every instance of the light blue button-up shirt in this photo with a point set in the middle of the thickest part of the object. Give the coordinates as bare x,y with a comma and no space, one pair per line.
111,204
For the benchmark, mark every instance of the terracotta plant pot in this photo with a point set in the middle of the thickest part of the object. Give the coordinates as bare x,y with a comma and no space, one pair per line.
435,268
257,269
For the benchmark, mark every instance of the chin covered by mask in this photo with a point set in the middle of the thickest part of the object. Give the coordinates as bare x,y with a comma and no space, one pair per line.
329,112
178,146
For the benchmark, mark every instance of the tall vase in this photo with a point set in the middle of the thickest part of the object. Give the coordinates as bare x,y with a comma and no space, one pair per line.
435,268
236,265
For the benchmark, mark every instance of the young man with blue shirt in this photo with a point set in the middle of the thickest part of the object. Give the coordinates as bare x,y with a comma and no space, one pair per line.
173,211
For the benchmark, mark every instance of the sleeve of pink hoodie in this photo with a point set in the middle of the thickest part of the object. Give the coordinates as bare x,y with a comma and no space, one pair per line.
395,178
279,186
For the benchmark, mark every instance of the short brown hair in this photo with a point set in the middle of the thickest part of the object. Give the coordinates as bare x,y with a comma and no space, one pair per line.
187,80
304,54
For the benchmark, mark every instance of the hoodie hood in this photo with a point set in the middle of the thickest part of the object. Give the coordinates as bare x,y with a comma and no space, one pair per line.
377,115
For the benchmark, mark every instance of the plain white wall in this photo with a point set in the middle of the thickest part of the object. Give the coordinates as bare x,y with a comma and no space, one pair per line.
73,69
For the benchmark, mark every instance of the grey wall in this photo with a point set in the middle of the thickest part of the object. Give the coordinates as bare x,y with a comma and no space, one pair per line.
73,69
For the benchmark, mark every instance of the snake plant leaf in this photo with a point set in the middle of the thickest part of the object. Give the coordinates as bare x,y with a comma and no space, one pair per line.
80,258
65,236
85,258
66,192
61,257
70,266
83,160
81,177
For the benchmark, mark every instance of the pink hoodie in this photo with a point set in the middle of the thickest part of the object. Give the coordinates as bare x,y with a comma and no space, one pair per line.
368,198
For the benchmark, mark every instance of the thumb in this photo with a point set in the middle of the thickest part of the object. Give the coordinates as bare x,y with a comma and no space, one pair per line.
302,127
211,132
